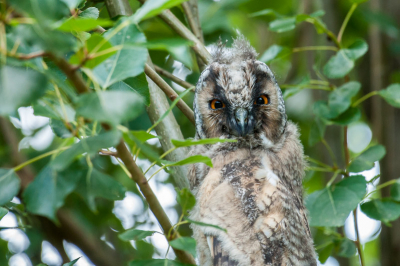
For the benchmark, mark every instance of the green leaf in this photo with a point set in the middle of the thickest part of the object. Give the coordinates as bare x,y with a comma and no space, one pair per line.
71,263
350,116
83,24
193,159
9,185
90,12
120,66
152,8
283,24
384,210
356,49
112,107
156,262
331,205
90,145
58,128
192,142
138,84
135,234
178,48
325,253
3,212
19,87
317,132
338,65
187,244
142,135
392,94
263,12
46,194
340,99
395,191
99,185
44,11
347,248
274,52
366,159
205,224
186,199
91,43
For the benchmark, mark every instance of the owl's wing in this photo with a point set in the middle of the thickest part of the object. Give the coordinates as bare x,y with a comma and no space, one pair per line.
219,256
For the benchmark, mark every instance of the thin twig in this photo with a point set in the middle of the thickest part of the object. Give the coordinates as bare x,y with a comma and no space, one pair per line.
174,78
357,242
346,149
108,153
346,20
171,94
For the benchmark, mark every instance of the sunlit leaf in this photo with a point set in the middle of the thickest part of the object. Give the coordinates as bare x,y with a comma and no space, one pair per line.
9,185
46,194
112,107
90,145
366,159
152,8
96,184
142,135
186,199
135,234
94,40
392,94
384,210
187,244
192,142
19,87
83,24
331,206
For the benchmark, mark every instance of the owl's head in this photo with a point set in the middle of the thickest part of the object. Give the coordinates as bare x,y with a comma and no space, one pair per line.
238,97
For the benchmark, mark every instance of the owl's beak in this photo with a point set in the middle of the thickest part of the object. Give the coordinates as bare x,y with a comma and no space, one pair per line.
242,122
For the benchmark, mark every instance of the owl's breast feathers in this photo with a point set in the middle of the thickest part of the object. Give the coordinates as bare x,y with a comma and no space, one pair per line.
255,197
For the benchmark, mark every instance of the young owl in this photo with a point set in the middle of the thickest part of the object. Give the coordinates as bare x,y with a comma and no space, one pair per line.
254,189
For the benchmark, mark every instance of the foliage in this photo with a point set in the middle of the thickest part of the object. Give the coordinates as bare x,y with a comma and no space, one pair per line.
91,84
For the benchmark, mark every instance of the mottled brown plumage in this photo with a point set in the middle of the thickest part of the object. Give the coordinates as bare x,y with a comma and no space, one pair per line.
254,189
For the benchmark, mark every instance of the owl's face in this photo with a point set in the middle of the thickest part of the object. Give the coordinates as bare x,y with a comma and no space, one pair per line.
239,99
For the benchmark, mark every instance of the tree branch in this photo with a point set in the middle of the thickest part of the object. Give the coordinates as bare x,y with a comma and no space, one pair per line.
181,29
130,164
192,15
171,94
118,8
174,78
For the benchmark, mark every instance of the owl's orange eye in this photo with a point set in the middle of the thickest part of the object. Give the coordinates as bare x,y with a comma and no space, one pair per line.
216,104
263,99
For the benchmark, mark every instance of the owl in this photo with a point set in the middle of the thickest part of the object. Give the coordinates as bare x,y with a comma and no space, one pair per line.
254,190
